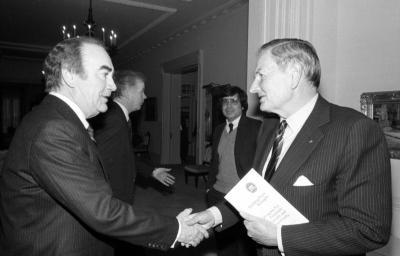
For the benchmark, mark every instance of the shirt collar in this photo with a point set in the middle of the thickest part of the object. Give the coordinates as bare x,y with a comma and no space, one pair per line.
297,120
126,113
73,106
234,122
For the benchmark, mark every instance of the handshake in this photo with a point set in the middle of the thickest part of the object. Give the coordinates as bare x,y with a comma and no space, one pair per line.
194,226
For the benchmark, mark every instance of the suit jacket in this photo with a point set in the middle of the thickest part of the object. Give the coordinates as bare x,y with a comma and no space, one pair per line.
55,197
245,147
114,142
344,154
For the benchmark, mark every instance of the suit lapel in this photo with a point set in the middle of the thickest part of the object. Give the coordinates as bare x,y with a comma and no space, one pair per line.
304,144
97,153
70,115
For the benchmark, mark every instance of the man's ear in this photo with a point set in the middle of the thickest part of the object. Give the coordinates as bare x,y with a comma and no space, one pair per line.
296,73
68,77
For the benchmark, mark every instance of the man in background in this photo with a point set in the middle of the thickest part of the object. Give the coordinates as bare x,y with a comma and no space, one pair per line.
330,162
113,134
55,198
233,147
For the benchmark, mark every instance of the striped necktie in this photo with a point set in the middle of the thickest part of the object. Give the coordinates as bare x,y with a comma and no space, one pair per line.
276,151
230,125
91,133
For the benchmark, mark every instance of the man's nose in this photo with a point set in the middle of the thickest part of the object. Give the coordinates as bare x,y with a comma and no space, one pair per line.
254,87
111,85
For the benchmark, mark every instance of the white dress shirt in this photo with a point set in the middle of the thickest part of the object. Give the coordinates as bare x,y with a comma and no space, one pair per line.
74,108
126,113
234,122
295,123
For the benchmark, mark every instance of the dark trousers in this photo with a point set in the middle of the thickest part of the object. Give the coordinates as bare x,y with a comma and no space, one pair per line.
232,241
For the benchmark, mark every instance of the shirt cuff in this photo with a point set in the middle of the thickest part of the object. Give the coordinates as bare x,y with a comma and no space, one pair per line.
216,214
279,238
179,233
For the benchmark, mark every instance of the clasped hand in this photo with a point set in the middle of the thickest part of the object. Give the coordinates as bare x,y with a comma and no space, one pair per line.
192,233
259,229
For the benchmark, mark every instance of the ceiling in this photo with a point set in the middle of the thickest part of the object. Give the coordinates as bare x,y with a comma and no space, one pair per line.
30,28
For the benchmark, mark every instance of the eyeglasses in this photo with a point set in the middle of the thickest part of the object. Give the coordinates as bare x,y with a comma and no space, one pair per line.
233,101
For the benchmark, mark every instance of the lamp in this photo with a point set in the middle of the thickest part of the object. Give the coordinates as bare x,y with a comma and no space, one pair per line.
109,41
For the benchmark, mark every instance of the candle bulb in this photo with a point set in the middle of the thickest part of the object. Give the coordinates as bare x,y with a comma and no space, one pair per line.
90,30
111,40
115,39
74,27
68,35
104,37
63,31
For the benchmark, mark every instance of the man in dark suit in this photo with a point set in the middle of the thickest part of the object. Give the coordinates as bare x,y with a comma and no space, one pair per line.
55,198
329,162
113,134
233,147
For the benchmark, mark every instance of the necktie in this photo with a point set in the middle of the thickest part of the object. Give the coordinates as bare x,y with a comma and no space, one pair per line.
91,133
130,130
230,127
276,151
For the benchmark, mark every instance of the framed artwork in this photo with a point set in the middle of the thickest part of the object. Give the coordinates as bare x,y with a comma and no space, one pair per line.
150,109
384,108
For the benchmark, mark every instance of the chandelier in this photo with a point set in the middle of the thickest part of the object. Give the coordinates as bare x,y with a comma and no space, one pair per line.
109,38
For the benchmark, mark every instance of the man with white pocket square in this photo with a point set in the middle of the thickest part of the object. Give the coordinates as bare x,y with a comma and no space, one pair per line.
330,162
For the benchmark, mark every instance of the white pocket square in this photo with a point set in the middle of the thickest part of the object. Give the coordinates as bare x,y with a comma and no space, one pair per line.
302,181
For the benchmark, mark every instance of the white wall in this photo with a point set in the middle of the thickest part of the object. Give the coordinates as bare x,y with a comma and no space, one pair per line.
358,45
224,45
368,40
358,42
368,59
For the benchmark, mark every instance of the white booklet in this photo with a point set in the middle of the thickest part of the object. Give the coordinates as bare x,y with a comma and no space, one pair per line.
255,196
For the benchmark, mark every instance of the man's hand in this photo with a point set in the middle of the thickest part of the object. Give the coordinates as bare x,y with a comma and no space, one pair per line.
204,218
162,175
262,231
190,234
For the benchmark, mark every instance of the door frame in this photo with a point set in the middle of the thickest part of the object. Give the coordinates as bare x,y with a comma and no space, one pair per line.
170,138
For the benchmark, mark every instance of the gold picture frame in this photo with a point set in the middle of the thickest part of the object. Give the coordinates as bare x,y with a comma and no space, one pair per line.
384,108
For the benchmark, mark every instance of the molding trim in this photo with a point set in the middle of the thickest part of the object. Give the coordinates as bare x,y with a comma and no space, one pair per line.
209,17
24,47
143,5
145,29
168,12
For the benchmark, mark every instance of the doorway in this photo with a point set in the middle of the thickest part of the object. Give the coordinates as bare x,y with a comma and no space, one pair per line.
182,125
188,115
